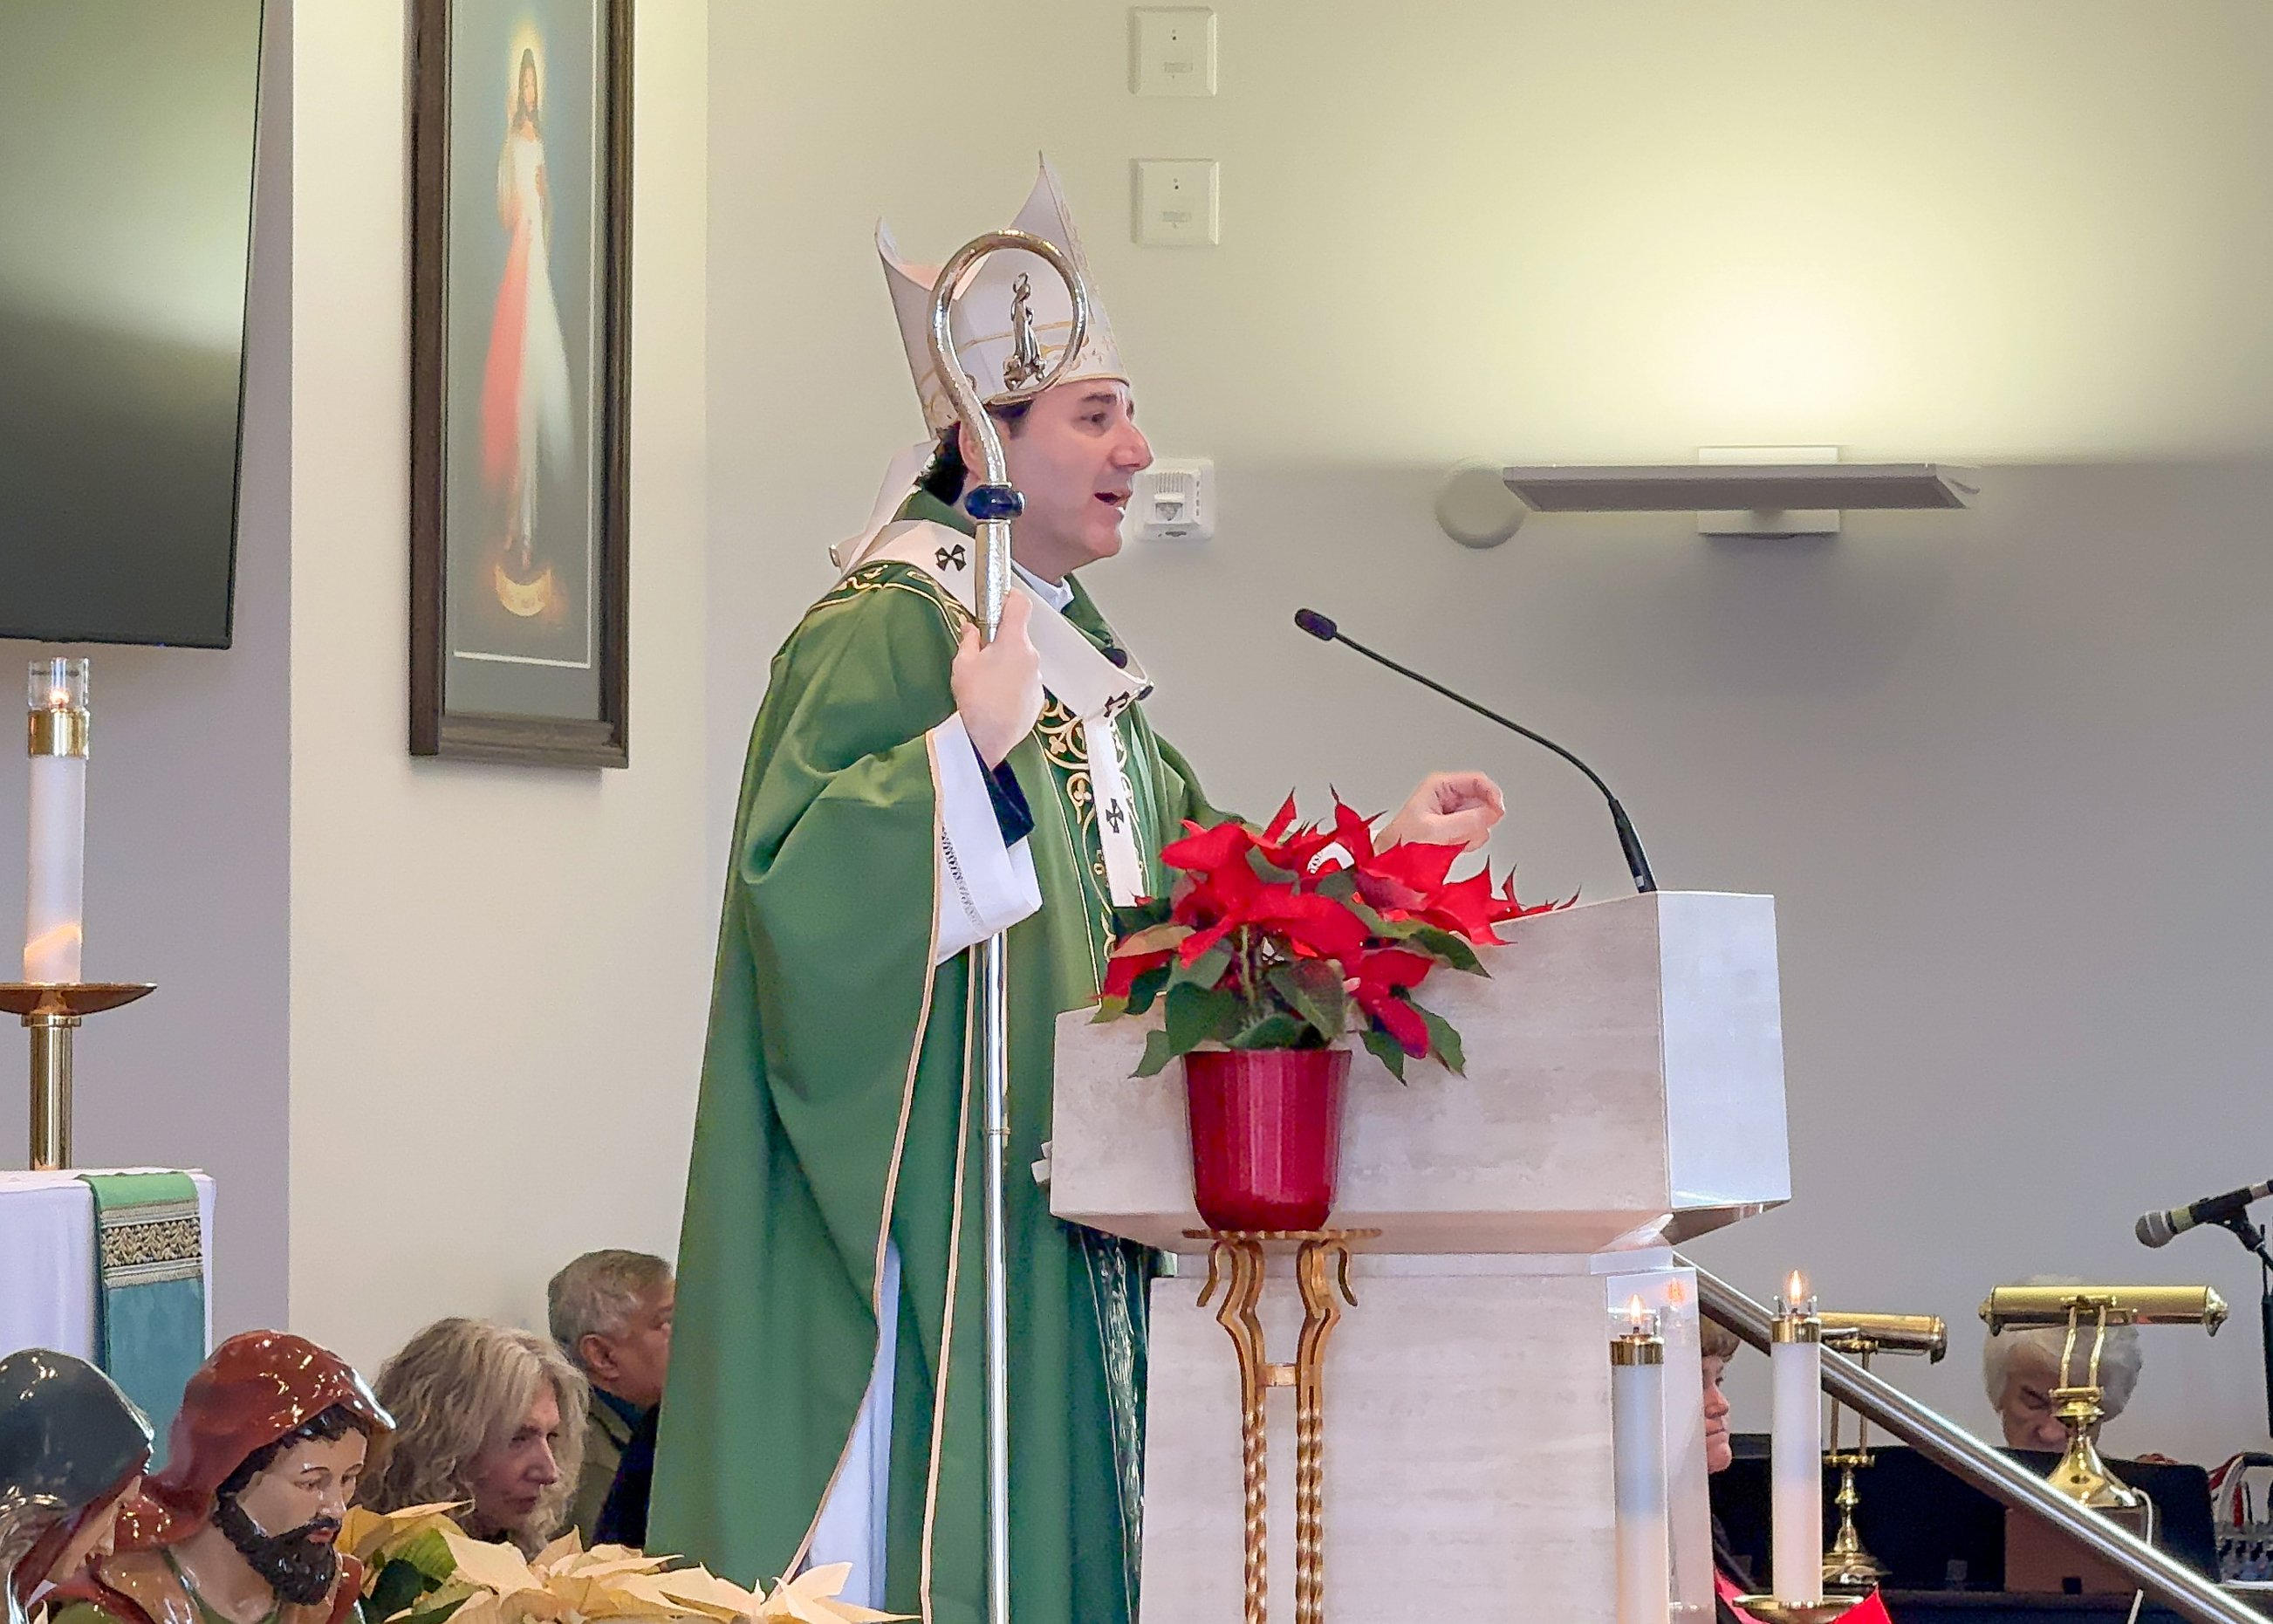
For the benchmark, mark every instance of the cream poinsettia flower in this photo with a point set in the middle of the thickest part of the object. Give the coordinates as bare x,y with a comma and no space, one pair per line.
809,1599
564,1584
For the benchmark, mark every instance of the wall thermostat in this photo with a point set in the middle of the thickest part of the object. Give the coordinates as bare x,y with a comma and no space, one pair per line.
1173,502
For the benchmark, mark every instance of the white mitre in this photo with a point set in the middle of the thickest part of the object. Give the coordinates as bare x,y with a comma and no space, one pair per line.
1011,312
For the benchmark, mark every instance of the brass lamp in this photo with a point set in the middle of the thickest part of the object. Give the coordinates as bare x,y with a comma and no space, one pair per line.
2082,1474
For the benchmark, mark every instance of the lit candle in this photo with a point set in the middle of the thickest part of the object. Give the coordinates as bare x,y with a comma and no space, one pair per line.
1795,1374
1637,1455
55,894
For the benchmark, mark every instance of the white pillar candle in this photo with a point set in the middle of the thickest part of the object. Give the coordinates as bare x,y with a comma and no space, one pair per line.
55,891
1637,1455
1795,1375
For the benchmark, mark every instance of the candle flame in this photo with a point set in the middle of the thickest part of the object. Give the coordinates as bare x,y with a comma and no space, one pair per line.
59,699
1635,1312
1794,1289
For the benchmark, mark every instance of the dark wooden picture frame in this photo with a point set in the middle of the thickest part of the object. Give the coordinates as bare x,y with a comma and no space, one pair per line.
520,709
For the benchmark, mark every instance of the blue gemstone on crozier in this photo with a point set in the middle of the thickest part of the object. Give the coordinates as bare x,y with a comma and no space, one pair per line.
994,501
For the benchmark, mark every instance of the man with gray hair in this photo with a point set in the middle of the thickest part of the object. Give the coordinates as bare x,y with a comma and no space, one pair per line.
610,1313
2020,1369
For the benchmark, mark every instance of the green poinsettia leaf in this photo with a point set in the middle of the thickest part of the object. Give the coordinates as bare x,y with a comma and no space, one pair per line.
398,1583
1152,938
1157,1054
1444,1042
1274,1032
1448,945
1341,885
1146,988
1392,929
1386,1049
1198,1015
1365,910
1206,971
1313,991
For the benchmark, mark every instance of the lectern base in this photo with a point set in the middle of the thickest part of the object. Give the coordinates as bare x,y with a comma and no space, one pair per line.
1469,1439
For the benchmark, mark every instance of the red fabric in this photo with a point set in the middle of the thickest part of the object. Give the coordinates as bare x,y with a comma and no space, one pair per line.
501,376
256,1388
1871,1609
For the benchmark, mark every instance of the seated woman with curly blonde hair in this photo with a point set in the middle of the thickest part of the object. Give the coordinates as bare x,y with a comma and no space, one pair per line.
484,1413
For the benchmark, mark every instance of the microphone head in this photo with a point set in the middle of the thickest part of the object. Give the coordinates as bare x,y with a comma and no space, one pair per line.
1311,621
2154,1230
1115,656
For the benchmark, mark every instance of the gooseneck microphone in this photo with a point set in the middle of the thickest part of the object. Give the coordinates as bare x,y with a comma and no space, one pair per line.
2158,1229
1637,863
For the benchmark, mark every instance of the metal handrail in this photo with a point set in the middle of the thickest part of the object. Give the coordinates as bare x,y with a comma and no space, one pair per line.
2179,1588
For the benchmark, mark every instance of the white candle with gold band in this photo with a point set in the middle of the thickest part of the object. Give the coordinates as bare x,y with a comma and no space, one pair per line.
55,892
1637,1455
1796,1378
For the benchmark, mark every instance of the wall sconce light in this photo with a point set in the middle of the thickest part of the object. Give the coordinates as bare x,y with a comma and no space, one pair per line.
1761,491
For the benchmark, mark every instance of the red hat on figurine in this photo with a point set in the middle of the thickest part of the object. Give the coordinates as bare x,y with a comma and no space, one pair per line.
257,1388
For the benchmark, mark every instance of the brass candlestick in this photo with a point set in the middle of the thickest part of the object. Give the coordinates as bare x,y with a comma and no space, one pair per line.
1848,1565
53,1013
1770,1611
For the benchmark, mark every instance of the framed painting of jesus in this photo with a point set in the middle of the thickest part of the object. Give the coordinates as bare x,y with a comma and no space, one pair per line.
520,340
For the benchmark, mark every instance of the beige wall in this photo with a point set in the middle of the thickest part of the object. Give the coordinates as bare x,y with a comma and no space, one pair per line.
2004,772
498,975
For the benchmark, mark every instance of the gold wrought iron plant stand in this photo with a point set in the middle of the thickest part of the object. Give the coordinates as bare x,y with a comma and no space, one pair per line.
1236,1260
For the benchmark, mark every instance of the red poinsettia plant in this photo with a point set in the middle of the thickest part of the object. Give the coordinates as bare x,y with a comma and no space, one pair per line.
1299,935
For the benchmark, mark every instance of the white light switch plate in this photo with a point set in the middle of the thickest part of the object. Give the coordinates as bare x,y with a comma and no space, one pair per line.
1176,202
1172,50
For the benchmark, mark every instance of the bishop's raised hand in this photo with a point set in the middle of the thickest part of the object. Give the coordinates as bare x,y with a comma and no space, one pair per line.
1448,809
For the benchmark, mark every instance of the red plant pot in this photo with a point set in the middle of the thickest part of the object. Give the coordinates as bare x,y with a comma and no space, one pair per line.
1266,1134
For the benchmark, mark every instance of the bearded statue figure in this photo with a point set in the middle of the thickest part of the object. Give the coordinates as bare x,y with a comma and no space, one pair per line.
240,1527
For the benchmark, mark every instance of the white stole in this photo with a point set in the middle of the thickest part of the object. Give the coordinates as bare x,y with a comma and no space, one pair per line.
1073,669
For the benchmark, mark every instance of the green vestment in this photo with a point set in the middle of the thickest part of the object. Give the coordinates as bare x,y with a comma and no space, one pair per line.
835,1099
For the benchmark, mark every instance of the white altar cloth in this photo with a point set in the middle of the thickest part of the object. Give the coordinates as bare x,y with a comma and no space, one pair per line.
47,1259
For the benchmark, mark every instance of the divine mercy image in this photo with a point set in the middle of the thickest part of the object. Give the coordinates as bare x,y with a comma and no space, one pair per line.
520,290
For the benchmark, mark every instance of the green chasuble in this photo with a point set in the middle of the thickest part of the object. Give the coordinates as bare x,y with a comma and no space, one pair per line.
835,1100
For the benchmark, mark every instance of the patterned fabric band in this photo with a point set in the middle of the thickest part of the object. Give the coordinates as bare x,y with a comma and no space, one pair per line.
150,1288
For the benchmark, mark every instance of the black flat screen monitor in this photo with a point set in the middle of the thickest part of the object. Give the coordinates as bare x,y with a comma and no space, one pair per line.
126,153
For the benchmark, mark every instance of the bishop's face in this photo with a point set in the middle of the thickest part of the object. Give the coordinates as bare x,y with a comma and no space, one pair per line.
1073,456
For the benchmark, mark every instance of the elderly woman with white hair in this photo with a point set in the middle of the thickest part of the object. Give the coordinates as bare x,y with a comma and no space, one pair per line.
2020,1369
488,1414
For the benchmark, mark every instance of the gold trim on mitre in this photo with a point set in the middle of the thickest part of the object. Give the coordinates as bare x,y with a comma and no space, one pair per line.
1011,313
